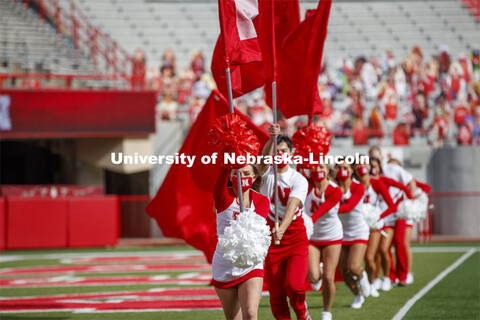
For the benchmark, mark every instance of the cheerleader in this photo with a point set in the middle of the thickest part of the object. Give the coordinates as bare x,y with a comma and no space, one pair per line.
322,205
355,235
409,223
394,229
286,264
375,192
239,289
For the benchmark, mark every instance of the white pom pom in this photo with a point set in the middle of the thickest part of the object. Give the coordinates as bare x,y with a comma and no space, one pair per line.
307,220
371,214
415,209
246,241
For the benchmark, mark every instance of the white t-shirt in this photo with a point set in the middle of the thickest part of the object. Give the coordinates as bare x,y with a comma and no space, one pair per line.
290,184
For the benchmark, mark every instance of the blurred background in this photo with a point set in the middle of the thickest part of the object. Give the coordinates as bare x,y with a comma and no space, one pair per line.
82,79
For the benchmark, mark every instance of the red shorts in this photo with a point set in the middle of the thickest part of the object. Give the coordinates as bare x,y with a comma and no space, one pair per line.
349,243
325,243
229,284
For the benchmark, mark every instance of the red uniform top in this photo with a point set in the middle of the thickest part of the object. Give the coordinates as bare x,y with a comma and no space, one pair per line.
357,191
424,186
394,183
333,195
381,189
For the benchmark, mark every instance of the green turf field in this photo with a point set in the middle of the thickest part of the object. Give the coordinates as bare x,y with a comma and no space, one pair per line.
455,297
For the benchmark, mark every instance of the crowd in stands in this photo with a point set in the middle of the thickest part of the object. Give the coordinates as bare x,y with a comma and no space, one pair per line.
436,97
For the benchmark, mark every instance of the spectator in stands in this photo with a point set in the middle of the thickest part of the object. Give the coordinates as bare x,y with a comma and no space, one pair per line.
475,58
195,108
456,81
388,99
419,110
355,106
440,127
444,60
204,86
326,98
168,61
460,113
138,70
366,73
466,67
387,61
153,80
167,109
360,132
473,123
185,86
375,122
197,63
169,82
401,134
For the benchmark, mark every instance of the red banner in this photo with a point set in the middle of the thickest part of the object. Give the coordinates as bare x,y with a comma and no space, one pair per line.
82,113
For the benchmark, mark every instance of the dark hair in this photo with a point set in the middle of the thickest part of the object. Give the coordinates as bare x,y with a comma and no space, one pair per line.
284,138
373,159
257,184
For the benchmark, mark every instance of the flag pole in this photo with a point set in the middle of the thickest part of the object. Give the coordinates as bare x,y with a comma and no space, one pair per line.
274,102
230,103
275,167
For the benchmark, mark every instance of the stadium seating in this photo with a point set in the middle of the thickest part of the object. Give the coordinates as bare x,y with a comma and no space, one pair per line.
32,46
355,27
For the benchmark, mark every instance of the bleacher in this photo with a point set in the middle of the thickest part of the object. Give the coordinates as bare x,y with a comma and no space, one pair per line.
29,45
355,27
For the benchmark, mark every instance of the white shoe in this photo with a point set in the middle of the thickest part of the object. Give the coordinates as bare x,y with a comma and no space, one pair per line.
377,283
317,285
326,315
373,291
357,302
409,278
364,285
386,284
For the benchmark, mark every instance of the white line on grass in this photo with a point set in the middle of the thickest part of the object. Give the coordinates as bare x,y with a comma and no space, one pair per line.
403,311
181,253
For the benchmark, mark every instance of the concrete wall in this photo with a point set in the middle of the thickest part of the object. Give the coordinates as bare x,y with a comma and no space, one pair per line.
455,170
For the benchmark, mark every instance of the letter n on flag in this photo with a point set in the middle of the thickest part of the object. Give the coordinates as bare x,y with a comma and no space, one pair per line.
238,47
183,207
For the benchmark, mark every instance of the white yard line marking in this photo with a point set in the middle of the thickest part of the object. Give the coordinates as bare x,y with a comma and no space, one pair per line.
443,249
6,258
403,311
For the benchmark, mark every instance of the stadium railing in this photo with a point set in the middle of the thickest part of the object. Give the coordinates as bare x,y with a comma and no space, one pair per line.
70,21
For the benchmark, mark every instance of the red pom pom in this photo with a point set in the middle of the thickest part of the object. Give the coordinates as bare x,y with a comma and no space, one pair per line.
315,140
229,134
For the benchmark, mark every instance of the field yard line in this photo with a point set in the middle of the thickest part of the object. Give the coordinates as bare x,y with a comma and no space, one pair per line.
35,256
6,258
403,311
443,249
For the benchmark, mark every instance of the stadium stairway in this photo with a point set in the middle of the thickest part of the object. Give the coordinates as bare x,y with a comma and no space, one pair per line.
33,45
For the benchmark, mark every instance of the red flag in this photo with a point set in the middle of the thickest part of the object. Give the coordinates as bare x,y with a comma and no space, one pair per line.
238,48
277,19
299,64
183,206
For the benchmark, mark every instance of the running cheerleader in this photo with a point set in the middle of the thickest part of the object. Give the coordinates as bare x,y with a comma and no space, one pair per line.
322,205
409,222
286,264
239,289
355,234
375,192
392,227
